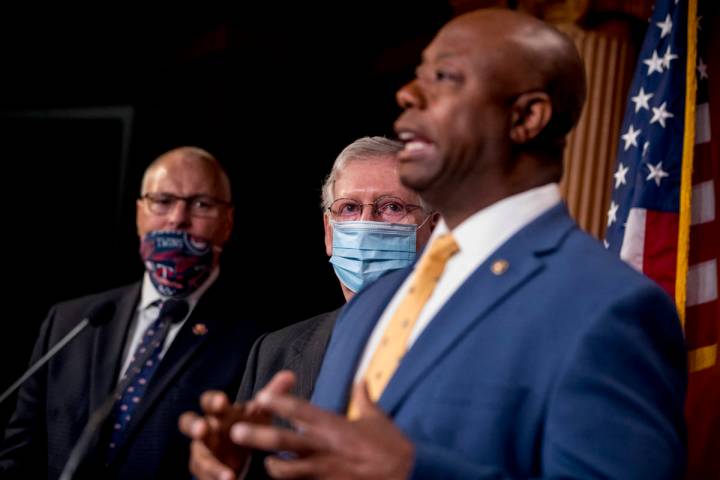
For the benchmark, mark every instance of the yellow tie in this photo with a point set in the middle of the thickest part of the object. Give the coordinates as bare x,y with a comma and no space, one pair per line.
393,343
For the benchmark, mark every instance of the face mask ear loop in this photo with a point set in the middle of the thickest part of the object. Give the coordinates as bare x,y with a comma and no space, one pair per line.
424,221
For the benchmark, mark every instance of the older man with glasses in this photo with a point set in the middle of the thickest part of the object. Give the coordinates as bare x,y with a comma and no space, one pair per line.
363,243
146,364
373,225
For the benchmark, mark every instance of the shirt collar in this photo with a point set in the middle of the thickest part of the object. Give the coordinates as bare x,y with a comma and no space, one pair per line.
496,223
150,295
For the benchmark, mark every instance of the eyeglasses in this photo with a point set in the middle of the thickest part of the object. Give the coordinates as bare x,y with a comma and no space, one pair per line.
199,205
388,208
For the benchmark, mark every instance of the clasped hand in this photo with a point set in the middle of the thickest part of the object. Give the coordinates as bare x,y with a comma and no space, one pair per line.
323,445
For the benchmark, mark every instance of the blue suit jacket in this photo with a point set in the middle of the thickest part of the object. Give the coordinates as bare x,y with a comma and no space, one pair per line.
570,364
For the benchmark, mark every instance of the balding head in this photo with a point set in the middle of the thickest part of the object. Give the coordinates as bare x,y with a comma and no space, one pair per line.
191,155
528,54
488,111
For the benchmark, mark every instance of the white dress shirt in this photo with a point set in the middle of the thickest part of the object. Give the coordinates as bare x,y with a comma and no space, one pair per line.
147,312
478,237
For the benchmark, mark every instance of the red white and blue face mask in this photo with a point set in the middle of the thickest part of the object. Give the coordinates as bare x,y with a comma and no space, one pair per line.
177,262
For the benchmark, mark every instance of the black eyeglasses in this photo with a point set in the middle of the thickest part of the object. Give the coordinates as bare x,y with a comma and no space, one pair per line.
388,208
199,205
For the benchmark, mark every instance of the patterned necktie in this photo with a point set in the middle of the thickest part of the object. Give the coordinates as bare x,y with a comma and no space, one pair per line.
393,344
143,364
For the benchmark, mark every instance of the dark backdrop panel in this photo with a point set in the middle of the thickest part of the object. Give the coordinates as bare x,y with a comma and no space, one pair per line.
61,221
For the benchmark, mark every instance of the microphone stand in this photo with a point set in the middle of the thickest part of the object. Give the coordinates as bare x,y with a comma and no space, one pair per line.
44,359
98,315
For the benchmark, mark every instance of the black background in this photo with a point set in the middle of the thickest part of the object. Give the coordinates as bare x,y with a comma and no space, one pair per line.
274,91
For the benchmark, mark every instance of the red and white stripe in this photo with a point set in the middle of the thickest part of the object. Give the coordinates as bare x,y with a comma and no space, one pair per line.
703,307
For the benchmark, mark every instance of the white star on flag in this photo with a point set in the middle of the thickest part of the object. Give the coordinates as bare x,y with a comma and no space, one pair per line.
620,175
630,137
656,173
612,213
606,244
654,63
665,27
660,114
641,100
702,69
668,57
646,145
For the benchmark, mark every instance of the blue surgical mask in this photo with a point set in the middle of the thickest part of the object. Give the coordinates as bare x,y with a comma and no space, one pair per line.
363,250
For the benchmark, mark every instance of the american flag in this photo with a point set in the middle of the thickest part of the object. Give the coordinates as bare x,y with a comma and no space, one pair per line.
644,211
663,214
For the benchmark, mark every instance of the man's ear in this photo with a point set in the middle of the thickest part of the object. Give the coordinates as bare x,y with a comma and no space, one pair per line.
530,113
434,219
328,234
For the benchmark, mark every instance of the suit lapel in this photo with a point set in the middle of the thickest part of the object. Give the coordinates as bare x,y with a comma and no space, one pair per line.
182,349
480,293
108,348
348,341
475,300
307,351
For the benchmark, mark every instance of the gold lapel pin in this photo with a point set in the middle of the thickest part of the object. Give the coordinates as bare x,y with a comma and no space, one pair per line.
499,267
199,329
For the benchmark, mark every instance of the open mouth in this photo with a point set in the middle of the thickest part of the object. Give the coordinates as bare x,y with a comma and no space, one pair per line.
415,144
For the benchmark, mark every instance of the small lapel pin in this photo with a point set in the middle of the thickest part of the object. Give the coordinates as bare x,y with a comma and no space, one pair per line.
199,329
499,267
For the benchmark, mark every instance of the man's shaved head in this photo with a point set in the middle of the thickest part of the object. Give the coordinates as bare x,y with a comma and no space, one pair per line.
541,58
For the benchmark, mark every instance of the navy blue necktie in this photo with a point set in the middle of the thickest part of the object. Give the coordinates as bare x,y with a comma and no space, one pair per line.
143,364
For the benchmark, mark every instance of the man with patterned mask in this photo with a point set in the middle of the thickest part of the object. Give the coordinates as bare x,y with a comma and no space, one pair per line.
184,218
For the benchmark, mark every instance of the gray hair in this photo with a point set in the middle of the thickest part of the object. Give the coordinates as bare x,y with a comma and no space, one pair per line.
361,149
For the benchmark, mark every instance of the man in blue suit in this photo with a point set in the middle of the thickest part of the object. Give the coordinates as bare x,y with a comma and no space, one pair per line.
527,349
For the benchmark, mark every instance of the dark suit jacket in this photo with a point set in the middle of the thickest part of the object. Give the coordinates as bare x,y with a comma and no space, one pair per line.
54,405
569,364
299,347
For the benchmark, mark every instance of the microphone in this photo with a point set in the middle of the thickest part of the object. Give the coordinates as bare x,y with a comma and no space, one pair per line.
98,314
173,310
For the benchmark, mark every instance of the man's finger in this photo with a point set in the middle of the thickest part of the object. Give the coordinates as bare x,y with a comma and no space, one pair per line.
271,438
205,466
192,425
309,467
214,402
299,412
361,397
282,382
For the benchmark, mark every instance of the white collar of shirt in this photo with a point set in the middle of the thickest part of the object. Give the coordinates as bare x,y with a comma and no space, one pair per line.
478,237
150,295
142,320
482,233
